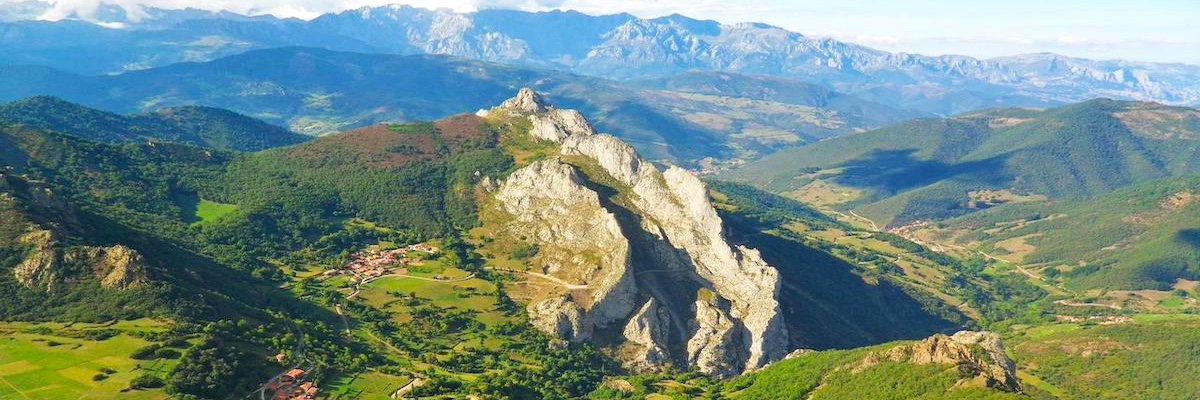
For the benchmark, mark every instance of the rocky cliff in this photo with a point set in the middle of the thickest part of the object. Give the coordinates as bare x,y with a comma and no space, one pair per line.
980,354
642,253
36,223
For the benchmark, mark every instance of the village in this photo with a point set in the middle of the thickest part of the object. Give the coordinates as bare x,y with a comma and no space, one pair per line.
375,262
292,385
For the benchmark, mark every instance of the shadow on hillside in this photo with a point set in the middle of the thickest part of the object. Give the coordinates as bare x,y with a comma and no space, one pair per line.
894,171
828,306
201,288
1190,237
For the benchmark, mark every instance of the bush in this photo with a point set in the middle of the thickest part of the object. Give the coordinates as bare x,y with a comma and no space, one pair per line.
525,252
147,382
99,377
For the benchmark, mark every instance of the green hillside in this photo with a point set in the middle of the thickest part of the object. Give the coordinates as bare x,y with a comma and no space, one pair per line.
197,126
940,168
1141,237
1147,357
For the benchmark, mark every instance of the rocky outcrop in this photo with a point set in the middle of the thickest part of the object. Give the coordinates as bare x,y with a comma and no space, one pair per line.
717,347
46,263
49,257
561,317
735,326
40,268
526,101
647,330
117,267
556,125
978,352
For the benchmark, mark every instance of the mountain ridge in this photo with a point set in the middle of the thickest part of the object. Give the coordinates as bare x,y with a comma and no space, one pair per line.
627,47
317,91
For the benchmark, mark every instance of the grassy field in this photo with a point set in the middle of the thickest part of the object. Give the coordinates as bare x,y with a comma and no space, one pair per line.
471,294
207,211
35,364
368,385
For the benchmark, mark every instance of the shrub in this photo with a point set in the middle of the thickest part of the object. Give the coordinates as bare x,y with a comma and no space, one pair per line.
146,382
525,252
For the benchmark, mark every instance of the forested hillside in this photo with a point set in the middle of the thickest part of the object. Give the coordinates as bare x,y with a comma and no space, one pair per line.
198,126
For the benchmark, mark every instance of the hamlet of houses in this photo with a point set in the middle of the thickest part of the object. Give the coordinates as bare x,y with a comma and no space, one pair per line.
292,385
373,262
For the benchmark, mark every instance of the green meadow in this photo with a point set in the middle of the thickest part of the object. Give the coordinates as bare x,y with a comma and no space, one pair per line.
48,366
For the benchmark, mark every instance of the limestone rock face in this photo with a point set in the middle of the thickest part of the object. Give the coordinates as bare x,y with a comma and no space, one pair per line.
561,317
556,125
671,225
982,352
117,267
40,269
716,347
648,329
40,224
548,202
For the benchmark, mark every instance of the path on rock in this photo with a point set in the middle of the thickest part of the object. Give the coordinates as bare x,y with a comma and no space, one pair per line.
1080,304
565,284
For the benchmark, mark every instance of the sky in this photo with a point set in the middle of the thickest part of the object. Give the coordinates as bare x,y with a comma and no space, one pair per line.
1141,30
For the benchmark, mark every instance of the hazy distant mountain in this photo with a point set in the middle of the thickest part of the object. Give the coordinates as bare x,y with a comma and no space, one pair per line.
318,91
613,46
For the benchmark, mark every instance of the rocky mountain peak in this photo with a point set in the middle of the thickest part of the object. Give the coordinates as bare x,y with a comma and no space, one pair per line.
653,270
527,101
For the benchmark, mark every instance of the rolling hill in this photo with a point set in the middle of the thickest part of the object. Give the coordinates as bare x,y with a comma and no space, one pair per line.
933,169
1140,237
199,126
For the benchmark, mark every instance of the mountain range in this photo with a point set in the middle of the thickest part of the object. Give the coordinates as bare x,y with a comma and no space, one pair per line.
315,91
619,46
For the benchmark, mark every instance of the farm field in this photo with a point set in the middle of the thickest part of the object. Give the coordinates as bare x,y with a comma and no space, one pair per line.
367,385
40,361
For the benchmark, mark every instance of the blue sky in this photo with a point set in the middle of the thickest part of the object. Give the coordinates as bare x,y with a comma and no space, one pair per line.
1147,30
